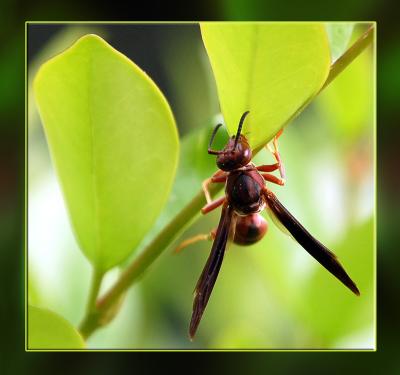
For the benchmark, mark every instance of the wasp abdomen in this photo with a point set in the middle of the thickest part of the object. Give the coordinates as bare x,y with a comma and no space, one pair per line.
250,229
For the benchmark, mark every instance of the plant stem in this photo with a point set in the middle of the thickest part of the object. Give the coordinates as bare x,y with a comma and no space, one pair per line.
90,319
97,312
181,221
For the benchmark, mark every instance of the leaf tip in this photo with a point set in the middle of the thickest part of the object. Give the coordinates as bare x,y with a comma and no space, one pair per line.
90,38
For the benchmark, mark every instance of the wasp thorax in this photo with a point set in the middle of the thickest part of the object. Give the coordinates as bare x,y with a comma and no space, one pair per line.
234,157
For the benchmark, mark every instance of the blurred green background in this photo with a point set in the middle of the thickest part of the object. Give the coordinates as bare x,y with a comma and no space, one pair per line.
12,216
268,296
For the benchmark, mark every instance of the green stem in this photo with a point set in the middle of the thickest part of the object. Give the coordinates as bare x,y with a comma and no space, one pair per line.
183,219
90,320
175,227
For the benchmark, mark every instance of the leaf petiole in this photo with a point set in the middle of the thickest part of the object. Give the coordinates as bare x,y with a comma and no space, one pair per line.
90,319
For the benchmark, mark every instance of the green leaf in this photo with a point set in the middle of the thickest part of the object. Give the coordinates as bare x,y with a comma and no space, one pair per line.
339,35
114,144
47,330
270,69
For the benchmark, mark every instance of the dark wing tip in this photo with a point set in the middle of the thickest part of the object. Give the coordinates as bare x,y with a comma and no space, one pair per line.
194,323
315,248
354,289
198,309
337,270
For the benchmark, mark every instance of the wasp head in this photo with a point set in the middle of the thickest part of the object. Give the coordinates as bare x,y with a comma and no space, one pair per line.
237,152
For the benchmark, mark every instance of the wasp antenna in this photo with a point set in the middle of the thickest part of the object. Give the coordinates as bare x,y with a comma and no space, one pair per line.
212,140
240,127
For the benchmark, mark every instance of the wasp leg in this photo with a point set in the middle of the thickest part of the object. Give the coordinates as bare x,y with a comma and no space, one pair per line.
277,155
217,177
194,239
212,205
268,167
201,237
273,179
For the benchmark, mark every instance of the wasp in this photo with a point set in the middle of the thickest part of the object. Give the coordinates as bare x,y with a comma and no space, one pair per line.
246,195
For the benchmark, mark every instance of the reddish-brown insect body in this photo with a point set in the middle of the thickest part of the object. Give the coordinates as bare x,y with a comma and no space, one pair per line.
250,229
245,196
243,190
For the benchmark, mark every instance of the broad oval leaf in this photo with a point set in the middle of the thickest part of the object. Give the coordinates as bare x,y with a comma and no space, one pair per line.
114,144
270,69
47,330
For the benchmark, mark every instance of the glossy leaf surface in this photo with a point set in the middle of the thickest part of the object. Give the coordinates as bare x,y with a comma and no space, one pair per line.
113,142
269,69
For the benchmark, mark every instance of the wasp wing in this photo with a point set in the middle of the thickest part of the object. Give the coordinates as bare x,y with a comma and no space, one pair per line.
210,272
315,248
